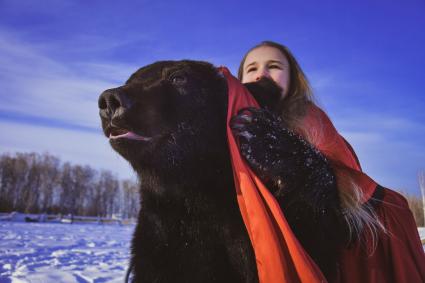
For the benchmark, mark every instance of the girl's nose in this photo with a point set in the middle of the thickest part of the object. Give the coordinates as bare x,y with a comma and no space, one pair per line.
262,73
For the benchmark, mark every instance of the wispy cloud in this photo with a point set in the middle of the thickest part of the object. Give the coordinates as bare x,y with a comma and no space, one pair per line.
386,139
392,162
37,85
384,146
50,104
379,123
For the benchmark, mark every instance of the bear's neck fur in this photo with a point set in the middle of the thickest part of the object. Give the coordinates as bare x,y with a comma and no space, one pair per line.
186,220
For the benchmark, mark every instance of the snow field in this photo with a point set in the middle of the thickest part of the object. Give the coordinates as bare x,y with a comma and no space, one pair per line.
46,252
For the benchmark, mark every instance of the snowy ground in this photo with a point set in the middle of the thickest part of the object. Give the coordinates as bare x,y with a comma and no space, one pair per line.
422,235
44,252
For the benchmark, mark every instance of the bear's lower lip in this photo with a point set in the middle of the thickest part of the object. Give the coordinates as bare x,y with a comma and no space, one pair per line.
129,135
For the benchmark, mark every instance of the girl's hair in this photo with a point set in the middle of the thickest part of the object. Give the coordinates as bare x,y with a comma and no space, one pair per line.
358,216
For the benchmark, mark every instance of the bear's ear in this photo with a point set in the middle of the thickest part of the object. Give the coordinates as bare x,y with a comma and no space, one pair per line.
149,70
266,92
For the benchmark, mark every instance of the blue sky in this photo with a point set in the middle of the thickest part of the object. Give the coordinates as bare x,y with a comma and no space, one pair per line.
364,59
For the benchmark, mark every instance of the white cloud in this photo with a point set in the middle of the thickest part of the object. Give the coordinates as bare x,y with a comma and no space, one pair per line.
321,80
360,119
387,148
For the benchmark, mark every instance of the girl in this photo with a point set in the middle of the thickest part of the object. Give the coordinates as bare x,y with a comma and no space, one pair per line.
383,244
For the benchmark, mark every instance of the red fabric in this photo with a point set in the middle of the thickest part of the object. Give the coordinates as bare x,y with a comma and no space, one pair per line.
279,256
399,255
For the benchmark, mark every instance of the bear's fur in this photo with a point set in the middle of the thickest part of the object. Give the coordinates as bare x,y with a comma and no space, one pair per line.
169,121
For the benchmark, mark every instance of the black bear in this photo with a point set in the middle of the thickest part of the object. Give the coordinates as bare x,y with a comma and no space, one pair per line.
169,121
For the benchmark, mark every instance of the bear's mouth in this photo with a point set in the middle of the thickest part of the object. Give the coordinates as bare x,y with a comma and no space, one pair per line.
119,133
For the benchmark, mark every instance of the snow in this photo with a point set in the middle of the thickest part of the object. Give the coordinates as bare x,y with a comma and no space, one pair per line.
54,252
421,231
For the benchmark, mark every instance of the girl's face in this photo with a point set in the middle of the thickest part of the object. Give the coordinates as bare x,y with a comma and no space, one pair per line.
266,61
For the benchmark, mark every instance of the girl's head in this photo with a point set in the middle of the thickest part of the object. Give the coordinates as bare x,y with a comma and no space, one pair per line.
269,62
275,61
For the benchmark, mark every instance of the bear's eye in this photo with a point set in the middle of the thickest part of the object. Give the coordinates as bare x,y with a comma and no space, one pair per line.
178,79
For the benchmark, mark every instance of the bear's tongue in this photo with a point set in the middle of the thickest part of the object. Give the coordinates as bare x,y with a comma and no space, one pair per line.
129,135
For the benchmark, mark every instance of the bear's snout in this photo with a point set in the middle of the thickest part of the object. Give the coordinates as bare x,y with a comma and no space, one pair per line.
113,103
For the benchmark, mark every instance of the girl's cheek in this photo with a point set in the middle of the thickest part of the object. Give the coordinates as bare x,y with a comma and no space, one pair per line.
247,78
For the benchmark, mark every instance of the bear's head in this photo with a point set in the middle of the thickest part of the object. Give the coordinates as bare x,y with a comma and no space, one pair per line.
166,114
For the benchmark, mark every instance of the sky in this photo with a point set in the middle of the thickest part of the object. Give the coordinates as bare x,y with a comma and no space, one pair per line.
364,59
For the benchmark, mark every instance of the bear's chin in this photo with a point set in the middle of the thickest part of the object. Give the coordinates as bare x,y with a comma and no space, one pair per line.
132,149
141,153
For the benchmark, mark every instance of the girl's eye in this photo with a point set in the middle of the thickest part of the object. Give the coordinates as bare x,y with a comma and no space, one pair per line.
251,70
275,67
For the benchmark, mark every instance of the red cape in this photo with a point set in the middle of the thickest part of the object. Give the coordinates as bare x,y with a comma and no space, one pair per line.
399,256
280,257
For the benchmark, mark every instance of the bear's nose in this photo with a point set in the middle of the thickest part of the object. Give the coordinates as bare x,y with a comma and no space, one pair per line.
113,103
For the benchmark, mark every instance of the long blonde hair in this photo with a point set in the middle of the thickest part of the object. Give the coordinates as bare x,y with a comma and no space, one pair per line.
360,217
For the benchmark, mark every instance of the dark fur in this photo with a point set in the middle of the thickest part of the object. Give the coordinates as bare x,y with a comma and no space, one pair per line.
301,180
189,227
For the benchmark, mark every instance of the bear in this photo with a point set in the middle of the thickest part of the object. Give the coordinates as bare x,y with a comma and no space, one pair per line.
169,122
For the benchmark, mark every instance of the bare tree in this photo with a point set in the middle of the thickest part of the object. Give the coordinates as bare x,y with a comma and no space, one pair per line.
19,181
82,181
131,203
50,173
8,183
33,183
108,189
32,188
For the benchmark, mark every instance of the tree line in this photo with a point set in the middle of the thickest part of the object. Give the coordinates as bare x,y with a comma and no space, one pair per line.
41,183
